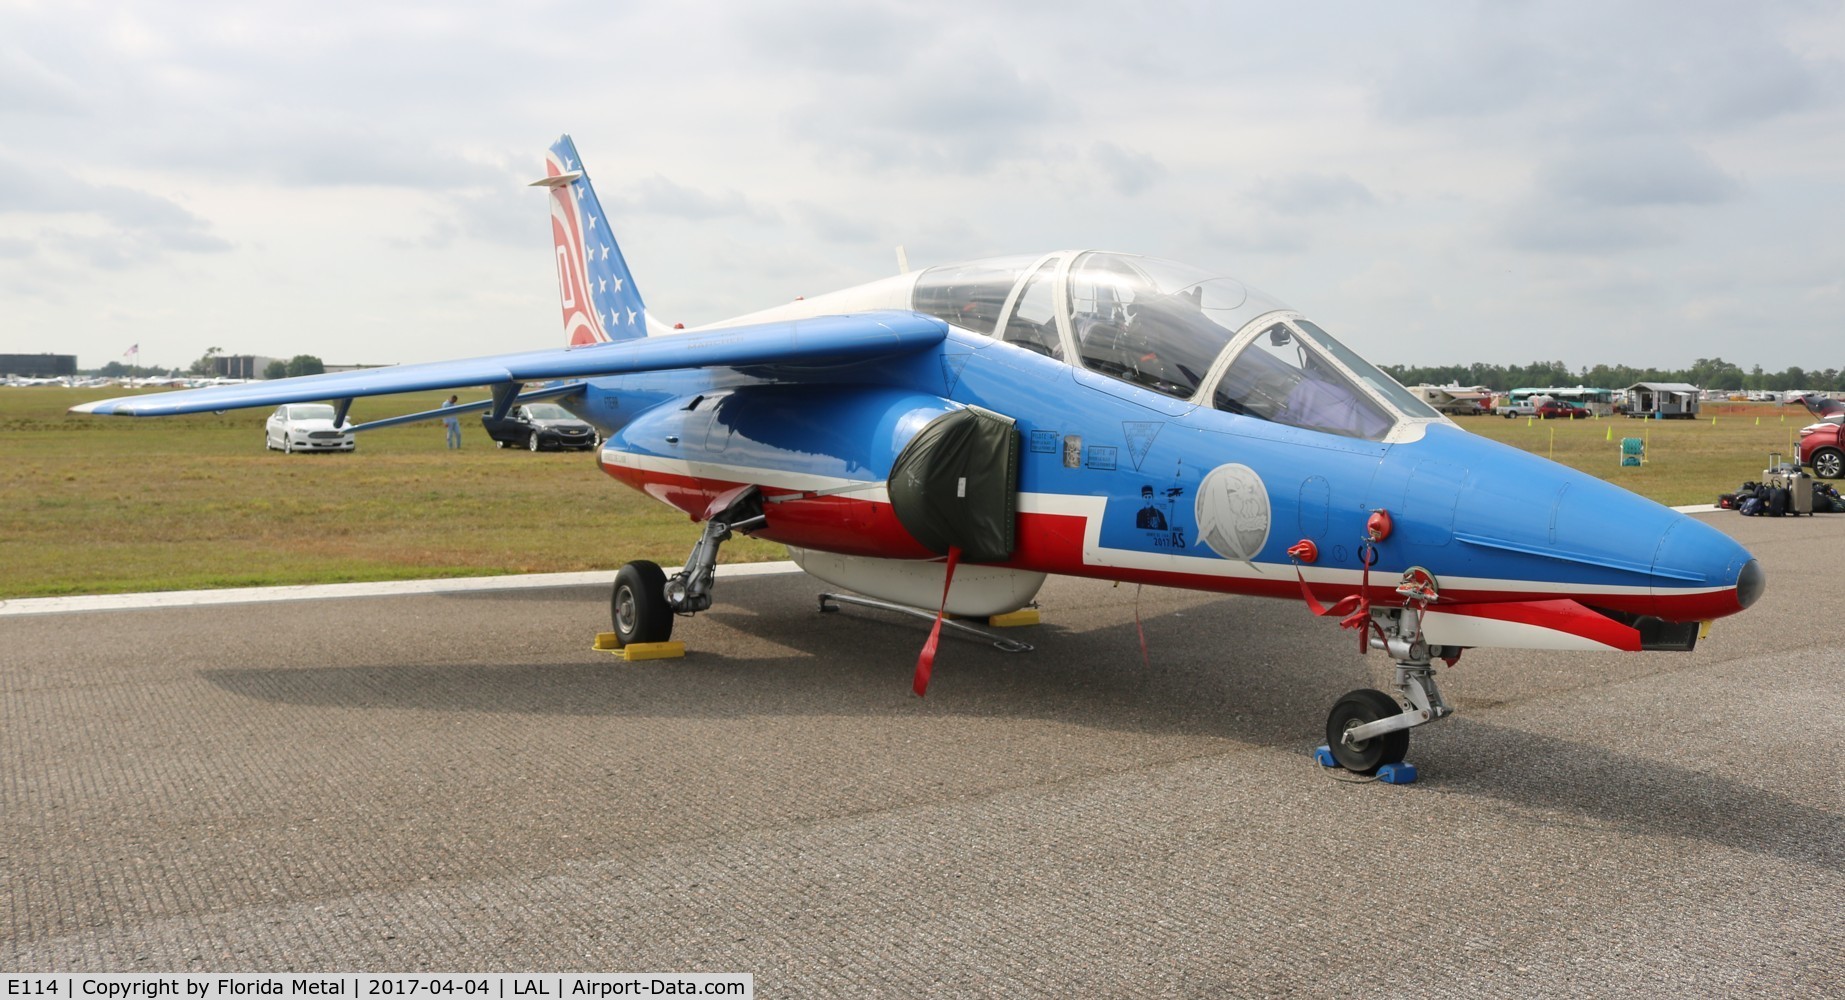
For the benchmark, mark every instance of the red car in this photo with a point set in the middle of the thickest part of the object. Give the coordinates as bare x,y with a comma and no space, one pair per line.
1559,410
1821,449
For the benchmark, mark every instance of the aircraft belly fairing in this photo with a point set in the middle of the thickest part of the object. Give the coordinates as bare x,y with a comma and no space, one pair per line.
976,591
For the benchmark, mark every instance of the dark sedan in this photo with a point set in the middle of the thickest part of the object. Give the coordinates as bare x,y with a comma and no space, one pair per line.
540,425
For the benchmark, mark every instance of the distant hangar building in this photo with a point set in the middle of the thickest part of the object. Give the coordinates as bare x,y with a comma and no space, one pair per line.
38,365
239,365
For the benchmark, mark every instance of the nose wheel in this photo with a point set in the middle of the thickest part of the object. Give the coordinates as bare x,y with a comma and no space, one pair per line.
1360,708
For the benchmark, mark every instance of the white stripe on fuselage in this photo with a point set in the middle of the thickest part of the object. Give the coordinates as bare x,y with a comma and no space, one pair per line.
774,479
1091,509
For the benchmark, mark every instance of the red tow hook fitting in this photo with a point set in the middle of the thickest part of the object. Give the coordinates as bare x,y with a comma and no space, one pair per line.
1418,585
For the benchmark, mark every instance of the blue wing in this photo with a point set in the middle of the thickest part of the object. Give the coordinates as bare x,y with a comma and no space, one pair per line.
792,345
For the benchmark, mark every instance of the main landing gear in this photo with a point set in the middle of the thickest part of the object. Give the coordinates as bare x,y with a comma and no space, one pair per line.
1368,730
645,599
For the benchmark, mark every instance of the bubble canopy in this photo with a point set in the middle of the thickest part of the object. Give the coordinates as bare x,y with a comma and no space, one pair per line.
1176,330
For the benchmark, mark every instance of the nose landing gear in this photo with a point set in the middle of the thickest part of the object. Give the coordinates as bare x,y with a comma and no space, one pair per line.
1368,731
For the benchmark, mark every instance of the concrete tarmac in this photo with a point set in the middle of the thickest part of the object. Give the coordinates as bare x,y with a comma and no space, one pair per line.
456,782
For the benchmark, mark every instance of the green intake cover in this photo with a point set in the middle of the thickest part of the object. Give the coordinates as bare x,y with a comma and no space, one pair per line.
956,484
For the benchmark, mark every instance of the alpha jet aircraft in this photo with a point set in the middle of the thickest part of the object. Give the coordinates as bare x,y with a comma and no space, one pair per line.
945,439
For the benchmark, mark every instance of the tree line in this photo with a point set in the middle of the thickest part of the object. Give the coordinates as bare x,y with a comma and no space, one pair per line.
1706,373
300,364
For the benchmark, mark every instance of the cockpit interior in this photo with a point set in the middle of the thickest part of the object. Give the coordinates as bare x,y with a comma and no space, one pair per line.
1175,330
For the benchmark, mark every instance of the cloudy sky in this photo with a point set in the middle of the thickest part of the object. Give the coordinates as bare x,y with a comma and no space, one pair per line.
1638,183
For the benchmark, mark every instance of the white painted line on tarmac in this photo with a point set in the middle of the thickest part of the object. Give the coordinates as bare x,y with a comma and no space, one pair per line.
324,591
1697,508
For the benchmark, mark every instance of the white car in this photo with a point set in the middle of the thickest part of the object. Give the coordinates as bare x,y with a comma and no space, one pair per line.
306,427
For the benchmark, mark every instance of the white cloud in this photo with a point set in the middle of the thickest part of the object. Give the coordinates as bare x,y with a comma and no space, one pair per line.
1586,68
658,195
1312,193
30,86
135,226
1637,173
1129,173
1509,162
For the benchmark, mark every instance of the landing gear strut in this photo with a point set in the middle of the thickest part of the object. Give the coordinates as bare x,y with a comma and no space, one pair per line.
645,599
1368,729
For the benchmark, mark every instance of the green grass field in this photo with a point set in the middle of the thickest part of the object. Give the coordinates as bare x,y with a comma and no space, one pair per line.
115,504
111,504
1688,461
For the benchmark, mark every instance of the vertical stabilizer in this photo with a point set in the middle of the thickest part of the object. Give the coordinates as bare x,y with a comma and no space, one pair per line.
599,298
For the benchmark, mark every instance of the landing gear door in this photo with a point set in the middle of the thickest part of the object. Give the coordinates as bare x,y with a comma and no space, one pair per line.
956,484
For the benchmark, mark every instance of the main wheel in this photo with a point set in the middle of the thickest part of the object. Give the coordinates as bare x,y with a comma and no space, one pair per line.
1355,709
532,442
638,604
288,445
1828,463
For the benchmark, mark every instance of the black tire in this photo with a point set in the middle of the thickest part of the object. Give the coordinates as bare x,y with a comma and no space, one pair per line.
637,606
532,442
1828,463
288,445
1355,709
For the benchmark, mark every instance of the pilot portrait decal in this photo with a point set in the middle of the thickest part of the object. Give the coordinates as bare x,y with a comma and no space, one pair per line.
1158,517
1233,512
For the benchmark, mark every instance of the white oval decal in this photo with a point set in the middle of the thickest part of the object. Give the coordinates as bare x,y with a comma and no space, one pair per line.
1233,512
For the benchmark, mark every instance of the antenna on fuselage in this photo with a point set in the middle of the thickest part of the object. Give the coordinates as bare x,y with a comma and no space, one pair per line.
903,260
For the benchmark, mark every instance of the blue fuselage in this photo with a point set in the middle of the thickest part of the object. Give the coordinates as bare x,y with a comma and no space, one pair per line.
1120,482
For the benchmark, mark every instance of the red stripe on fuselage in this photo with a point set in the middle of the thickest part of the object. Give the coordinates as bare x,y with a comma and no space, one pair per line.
842,524
1564,615
1053,543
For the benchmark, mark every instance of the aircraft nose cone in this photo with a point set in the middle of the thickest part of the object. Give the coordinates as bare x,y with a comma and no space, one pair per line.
1750,583
1692,558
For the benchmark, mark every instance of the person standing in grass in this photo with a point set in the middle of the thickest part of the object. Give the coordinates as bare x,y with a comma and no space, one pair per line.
454,423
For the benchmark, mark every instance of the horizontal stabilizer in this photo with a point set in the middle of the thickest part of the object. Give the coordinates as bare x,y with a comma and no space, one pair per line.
529,396
799,343
1560,624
